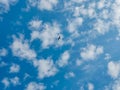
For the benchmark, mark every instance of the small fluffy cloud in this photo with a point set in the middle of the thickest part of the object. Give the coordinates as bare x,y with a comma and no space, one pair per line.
116,85
78,62
101,26
107,56
114,69
15,81
35,86
49,35
74,24
35,24
3,52
69,75
90,86
14,68
63,61
46,68
21,48
43,4
91,52
5,5
10,81
2,64
6,82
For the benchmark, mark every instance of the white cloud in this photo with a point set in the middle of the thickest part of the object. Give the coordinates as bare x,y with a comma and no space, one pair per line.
3,52
91,52
10,81
78,1
15,81
49,35
6,82
35,86
5,5
63,60
46,68
116,85
21,48
78,62
90,86
74,24
2,64
107,56
43,4
116,13
101,4
35,24
69,75
114,69
101,26
14,68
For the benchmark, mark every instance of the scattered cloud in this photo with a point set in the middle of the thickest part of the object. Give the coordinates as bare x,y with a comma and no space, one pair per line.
63,60
46,68
21,48
10,81
43,4
5,5
79,62
116,85
3,52
69,75
14,68
6,82
49,35
74,24
15,81
35,86
114,69
107,56
35,24
91,52
90,86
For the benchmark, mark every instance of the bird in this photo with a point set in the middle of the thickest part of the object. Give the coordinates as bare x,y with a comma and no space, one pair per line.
59,37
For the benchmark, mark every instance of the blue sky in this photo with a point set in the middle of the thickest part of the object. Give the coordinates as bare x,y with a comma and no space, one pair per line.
59,45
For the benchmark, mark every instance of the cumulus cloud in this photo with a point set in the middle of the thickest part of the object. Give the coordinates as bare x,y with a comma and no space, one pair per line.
74,24
69,75
15,81
91,52
90,86
10,81
78,62
3,52
35,24
21,48
49,35
35,86
43,4
114,69
116,85
107,56
63,61
2,64
46,68
101,26
6,82
5,5
14,68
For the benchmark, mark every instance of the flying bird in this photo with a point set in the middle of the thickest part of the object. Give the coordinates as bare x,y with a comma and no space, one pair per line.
59,38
